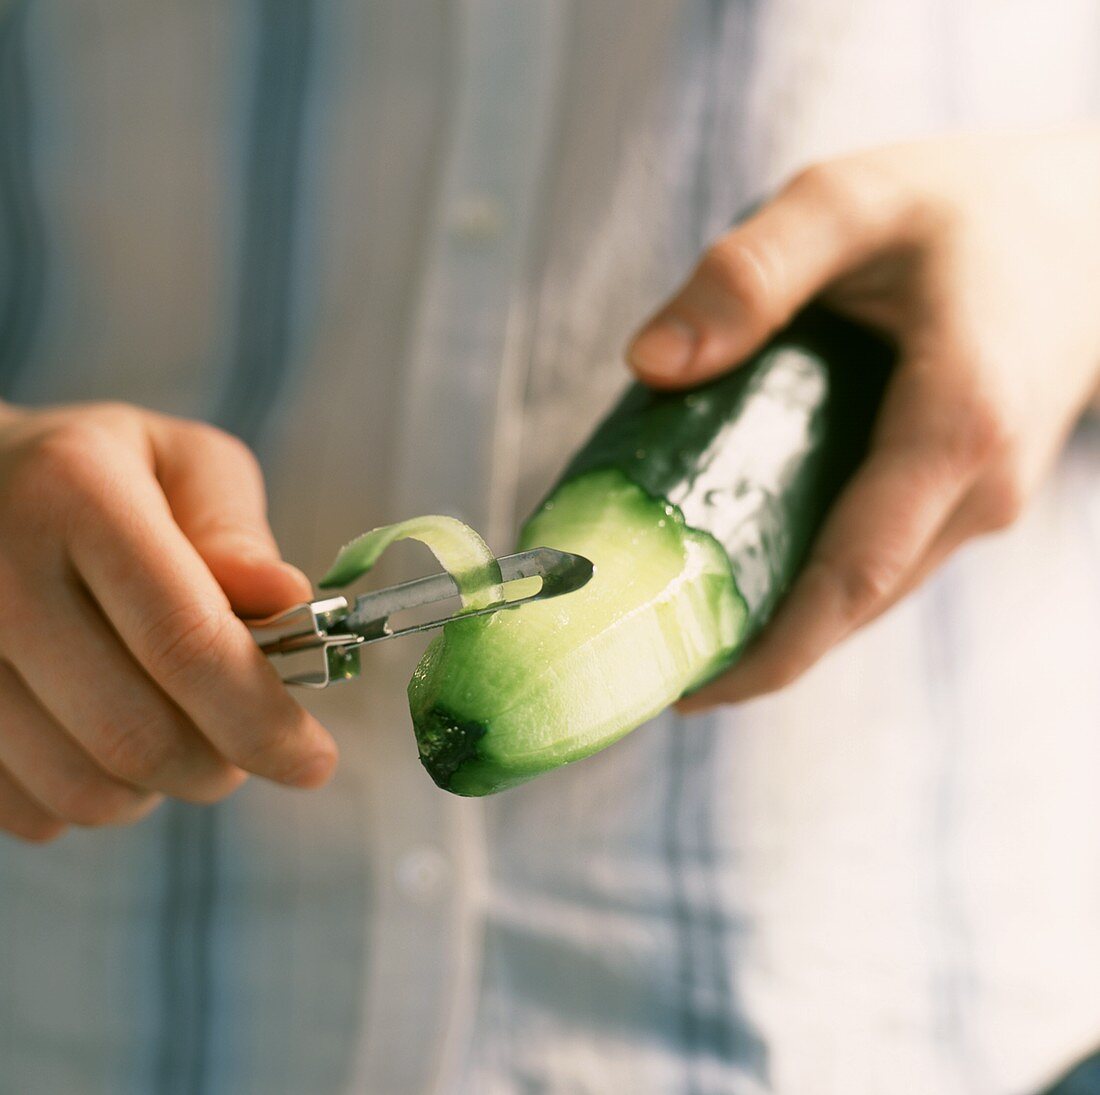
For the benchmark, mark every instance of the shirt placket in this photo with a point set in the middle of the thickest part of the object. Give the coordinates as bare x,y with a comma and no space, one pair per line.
459,423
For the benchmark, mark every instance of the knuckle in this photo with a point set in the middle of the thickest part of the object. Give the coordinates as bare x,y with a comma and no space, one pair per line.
975,416
747,270
64,462
834,185
138,753
982,432
225,445
186,642
68,450
819,179
862,583
1004,502
850,186
868,195
867,583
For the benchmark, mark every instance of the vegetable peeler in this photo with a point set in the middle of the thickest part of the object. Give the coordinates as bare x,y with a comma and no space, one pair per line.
318,643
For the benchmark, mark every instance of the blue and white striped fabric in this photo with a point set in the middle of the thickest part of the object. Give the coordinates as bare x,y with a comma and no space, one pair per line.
397,246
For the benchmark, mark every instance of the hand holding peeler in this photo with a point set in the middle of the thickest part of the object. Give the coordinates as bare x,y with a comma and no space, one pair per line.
318,643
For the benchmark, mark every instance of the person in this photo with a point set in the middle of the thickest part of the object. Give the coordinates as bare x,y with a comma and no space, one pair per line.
396,250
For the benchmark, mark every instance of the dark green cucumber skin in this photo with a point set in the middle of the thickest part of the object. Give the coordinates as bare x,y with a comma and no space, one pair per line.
754,459
760,493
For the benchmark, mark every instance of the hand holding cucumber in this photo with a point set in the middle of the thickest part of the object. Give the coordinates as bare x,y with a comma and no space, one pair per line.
127,540
980,258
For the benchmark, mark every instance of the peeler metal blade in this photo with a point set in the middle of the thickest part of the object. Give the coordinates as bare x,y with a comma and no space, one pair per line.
561,572
317,643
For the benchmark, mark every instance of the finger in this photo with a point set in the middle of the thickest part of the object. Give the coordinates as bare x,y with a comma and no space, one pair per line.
215,490
162,600
21,816
991,504
826,222
54,770
928,450
95,690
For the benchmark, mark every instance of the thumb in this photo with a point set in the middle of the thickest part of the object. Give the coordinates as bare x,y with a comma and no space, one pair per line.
215,488
753,280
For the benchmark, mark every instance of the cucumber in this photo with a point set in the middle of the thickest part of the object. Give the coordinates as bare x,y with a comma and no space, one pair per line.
459,550
697,509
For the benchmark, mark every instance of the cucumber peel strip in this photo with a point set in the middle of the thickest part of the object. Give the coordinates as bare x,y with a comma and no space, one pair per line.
460,551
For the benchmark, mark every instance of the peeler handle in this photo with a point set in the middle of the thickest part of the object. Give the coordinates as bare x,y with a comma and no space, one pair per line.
300,647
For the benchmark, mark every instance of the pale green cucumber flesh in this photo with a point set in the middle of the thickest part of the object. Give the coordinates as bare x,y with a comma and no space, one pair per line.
549,683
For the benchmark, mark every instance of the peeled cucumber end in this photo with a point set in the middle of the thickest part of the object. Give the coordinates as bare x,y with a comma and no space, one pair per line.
556,681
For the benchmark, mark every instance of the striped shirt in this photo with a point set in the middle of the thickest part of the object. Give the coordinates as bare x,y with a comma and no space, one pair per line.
397,246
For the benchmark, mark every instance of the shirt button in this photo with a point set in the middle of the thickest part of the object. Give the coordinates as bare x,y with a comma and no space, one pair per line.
478,218
422,873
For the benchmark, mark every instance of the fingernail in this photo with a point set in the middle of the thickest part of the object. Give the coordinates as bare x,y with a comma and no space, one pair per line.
664,349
